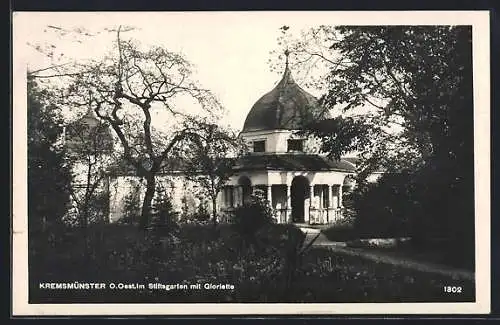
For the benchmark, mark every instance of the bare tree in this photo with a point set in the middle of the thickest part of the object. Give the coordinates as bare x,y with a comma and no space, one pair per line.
129,87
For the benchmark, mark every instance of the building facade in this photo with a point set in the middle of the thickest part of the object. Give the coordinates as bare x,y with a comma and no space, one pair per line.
301,185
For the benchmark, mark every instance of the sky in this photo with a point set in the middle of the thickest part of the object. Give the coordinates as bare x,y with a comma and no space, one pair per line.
230,50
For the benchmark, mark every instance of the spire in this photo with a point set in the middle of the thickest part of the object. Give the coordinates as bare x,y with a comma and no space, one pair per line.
287,75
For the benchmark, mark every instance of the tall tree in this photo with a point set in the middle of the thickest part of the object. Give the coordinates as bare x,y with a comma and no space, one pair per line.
412,83
48,174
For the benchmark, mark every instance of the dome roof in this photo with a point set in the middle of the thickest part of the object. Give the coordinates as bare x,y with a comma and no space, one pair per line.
286,107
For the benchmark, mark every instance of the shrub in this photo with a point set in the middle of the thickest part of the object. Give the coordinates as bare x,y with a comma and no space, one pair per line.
252,216
201,214
385,208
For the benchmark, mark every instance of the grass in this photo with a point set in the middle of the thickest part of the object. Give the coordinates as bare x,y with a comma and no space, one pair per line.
344,232
437,252
199,254
435,255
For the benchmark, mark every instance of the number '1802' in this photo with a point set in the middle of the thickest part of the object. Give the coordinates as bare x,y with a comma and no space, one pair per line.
452,289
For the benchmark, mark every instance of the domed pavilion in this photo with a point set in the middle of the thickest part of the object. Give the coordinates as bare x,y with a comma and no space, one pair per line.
301,185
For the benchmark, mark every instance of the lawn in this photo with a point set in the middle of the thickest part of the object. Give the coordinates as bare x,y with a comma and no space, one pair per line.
198,254
436,252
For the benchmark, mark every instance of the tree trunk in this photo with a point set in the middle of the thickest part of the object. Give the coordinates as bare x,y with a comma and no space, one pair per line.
148,198
84,231
214,210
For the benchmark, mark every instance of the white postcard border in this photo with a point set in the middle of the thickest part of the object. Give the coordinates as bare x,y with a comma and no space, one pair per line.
481,56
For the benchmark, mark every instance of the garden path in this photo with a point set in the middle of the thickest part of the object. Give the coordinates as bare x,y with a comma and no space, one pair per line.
380,257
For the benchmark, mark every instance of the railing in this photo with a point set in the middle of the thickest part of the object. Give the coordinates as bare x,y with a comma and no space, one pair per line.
282,215
316,216
325,215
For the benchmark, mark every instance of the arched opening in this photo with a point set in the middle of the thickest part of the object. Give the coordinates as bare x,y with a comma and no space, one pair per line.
246,188
299,193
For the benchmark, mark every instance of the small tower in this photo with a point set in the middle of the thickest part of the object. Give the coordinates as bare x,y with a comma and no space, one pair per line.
88,131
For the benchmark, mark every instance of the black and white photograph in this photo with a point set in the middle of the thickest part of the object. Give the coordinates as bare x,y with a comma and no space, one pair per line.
251,163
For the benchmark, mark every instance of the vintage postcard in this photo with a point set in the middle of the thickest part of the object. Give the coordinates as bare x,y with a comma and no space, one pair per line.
266,163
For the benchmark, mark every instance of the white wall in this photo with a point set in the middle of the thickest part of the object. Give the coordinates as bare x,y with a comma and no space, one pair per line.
176,187
277,140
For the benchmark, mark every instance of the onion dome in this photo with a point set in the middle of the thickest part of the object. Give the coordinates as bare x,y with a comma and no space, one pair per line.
286,107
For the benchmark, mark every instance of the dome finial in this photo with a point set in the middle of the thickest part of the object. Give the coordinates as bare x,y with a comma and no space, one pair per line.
287,53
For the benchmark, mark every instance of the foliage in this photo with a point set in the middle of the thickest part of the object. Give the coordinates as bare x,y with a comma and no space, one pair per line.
48,174
419,76
340,135
164,216
202,214
386,208
324,276
413,83
252,216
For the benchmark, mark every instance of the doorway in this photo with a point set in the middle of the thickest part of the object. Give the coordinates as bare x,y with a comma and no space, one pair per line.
246,188
299,193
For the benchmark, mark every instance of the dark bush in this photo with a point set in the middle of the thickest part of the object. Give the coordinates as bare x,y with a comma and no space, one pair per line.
385,208
252,216
49,176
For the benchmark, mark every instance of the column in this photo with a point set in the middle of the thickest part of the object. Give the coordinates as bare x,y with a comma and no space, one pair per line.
311,195
230,192
335,202
236,196
328,196
288,202
329,205
221,201
340,197
270,194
